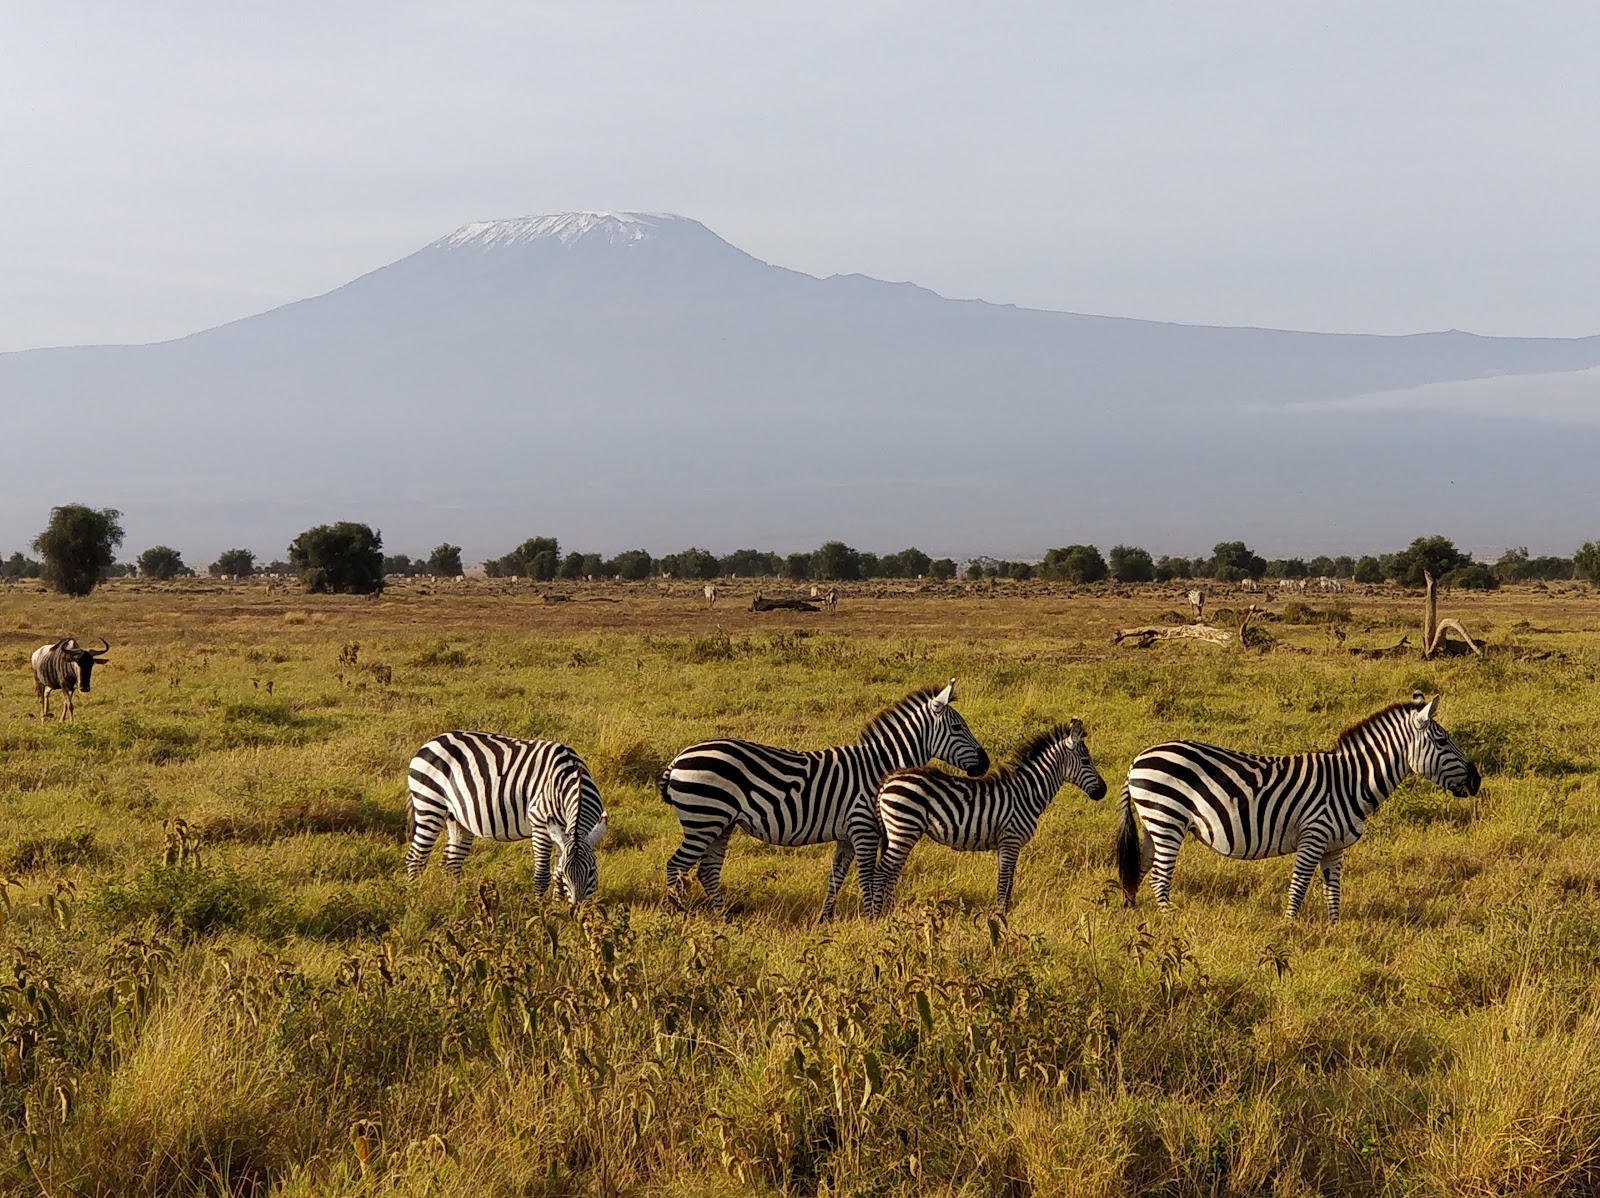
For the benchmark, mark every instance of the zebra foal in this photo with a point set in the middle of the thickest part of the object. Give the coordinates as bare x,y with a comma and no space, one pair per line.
793,797
1248,805
479,784
998,813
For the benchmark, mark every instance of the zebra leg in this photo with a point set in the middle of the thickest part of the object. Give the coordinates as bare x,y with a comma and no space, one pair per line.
1331,863
1006,859
710,870
690,853
868,845
843,854
425,828
455,853
896,848
541,863
1306,857
1163,861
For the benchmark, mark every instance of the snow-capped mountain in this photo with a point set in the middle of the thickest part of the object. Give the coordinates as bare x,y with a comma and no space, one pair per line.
624,378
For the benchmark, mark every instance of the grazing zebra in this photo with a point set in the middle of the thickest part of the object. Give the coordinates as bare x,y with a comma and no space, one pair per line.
480,784
998,813
787,797
1314,805
832,597
1197,602
711,595
65,667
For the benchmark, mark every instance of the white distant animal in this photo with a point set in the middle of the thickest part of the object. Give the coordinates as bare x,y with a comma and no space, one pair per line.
815,593
711,594
1197,601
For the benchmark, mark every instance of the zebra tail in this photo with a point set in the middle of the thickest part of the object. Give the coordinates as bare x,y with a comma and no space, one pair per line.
411,819
1128,849
661,784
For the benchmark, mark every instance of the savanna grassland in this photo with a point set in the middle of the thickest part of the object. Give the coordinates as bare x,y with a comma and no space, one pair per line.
213,977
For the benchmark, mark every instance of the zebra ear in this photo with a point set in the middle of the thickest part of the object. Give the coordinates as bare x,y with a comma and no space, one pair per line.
558,835
598,832
946,696
1428,710
1077,728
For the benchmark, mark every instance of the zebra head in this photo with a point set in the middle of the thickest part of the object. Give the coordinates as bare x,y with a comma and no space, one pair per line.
576,870
1080,767
1434,754
949,738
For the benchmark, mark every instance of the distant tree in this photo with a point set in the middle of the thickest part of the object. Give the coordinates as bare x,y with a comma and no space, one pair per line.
16,566
1436,555
1368,569
1320,566
237,563
592,565
445,561
1586,561
1129,563
571,566
78,546
1233,560
279,567
908,563
162,562
797,567
870,565
343,558
632,565
692,563
1343,566
941,569
123,570
1170,568
537,557
1021,571
835,561
399,563
750,563
1478,576
1288,567
1075,563
1516,566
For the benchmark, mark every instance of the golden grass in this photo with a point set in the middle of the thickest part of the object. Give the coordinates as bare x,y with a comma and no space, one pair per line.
254,1002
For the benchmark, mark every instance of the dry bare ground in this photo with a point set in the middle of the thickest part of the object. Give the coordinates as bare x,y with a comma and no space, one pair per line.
215,979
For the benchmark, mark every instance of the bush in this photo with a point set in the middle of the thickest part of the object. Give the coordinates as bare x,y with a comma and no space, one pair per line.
78,546
16,566
835,561
941,569
797,567
634,565
342,559
750,563
1368,569
908,563
1131,564
1292,567
191,898
692,563
240,563
1170,568
1233,560
162,562
1586,561
1434,555
1476,577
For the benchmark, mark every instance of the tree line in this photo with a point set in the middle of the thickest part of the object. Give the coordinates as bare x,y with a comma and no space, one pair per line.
78,550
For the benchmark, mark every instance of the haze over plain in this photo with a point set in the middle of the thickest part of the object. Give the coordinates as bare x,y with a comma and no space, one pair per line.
1371,170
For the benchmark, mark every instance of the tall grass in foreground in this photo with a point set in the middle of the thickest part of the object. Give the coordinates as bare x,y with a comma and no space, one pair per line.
251,1001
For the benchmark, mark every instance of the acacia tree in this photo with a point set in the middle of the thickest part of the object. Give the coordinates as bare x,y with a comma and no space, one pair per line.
238,563
445,561
1434,555
1129,563
834,561
1075,563
344,558
161,562
1585,562
78,546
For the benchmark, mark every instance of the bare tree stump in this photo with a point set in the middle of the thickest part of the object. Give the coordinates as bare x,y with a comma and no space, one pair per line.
1434,640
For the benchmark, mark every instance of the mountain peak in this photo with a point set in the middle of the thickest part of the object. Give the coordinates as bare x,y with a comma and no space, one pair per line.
566,228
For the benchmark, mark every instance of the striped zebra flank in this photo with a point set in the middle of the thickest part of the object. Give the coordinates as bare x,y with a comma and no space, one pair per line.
997,814
472,784
794,797
1248,805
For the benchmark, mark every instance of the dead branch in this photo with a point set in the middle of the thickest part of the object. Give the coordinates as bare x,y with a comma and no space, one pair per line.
763,604
1434,640
1185,632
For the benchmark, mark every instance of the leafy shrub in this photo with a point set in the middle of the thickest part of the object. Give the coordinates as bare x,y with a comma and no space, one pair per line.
51,852
1297,612
442,655
1476,577
342,559
191,899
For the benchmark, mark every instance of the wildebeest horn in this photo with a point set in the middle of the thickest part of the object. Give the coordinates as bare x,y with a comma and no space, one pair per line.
99,652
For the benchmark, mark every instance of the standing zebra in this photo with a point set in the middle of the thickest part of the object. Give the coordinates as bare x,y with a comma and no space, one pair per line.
1314,805
64,667
480,784
998,813
788,797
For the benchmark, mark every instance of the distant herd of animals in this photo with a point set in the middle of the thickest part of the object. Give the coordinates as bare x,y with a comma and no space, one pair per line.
875,799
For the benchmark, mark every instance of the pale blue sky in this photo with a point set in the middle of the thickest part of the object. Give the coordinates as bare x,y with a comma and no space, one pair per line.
1360,166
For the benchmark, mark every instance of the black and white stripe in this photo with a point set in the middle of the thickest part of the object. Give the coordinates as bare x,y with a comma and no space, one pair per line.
997,814
1314,805
66,667
789,797
480,784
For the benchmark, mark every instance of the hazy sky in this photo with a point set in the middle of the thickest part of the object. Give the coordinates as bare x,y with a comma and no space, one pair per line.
1353,166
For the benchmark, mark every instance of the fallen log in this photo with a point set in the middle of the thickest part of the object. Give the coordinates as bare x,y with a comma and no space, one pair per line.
761,604
1180,632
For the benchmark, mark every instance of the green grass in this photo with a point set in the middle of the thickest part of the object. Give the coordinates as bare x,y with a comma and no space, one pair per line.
214,979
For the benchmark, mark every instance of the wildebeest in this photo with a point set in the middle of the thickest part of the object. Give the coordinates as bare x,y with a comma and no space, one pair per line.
66,667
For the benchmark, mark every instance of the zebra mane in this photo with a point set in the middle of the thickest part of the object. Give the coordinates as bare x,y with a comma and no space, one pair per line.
885,717
1346,738
1034,750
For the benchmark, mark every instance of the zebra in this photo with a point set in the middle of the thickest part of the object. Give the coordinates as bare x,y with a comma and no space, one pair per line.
1197,602
790,797
1247,805
481,784
998,813
711,595
65,667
